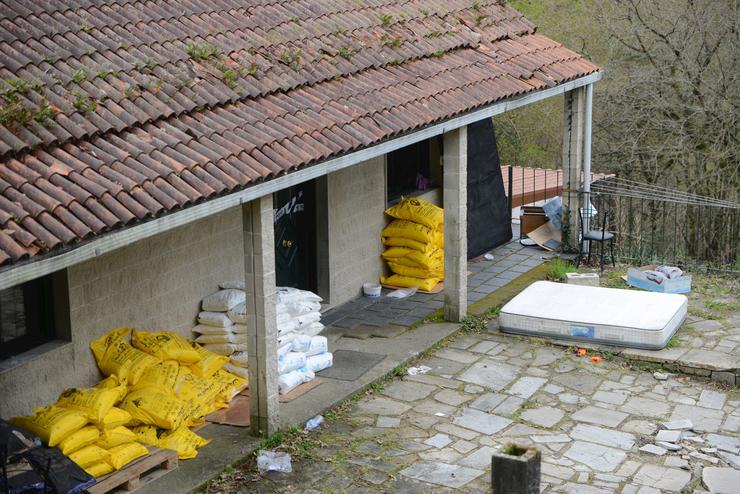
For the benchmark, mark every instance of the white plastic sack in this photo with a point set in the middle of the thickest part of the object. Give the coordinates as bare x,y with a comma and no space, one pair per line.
288,294
283,317
222,338
318,344
301,343
291,361
237,285
286,327
284,349
225,349
308,318
301,307
238,313
239,371
218,319
240,359
285,338
223,300
311,329
319,362
206,329
239,329
288,381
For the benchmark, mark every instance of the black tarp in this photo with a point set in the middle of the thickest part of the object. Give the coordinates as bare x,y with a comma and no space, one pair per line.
488,215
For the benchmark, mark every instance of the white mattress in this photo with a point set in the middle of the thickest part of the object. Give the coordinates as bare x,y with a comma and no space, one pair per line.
601,315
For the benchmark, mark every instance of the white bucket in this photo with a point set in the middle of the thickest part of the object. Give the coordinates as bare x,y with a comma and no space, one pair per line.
371,290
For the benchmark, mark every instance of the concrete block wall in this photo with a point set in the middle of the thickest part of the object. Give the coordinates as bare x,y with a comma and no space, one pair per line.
153,284
356,201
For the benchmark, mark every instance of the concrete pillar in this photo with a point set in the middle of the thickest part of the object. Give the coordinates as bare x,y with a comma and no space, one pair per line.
573,132
259,267
455,179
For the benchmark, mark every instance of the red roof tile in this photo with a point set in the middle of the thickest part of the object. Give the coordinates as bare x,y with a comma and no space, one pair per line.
118,112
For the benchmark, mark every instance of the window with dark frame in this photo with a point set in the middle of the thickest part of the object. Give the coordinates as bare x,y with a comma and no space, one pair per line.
412,169
29,314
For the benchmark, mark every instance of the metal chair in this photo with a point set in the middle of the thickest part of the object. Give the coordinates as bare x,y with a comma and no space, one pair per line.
601,235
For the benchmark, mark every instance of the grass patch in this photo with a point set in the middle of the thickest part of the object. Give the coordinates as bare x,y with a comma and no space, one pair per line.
557,268
720,305
674,342
702,314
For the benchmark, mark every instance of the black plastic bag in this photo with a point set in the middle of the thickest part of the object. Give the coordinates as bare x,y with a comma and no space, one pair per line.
59,472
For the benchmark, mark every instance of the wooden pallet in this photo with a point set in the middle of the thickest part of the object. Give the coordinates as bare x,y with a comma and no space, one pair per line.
139,472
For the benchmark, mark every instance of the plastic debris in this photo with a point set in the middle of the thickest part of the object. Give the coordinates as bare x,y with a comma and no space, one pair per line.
581,352
403,292
660,376
488,257
314,423
422,369
596,359
273,461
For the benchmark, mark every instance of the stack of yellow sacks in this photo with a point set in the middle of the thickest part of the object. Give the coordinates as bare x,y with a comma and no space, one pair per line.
415,241
158,386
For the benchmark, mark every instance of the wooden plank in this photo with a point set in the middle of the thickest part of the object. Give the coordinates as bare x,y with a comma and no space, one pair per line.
129,477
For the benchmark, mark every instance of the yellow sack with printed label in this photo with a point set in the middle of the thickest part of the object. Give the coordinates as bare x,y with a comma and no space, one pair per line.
198,390
115,355
431,259
184,441
152,406
89,455
416,272
163,376
122,455
439,239
409,229
93,402
165,345
209,362
404,242
52,424
418,211
426,284
112,382
78,440
229,386
99,469
113,437
147,434
116,417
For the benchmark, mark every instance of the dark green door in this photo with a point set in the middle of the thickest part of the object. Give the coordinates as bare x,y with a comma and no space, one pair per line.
295,236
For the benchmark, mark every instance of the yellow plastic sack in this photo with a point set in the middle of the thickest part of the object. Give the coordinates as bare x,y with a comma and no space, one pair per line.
229,385
425,284
115,355
432,259
113,437
112,382
163,376
99,469
152,406
194,389
78,440
122,455
439,239
416,272
404,242
52,424
184,441
165,345
89,455
146,434
209,362
93,402
418,211
116,417
409,229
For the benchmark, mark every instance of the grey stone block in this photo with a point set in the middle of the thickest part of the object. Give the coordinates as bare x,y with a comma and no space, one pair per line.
724,377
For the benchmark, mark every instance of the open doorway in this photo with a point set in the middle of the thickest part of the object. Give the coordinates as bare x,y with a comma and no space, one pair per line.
295,236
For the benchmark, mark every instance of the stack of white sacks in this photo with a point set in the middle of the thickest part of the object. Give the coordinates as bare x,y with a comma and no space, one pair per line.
222,326
301,351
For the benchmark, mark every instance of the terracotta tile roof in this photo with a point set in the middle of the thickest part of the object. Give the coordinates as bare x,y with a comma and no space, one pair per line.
113,112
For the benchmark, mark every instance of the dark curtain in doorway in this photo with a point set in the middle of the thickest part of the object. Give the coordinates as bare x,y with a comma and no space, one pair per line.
488,216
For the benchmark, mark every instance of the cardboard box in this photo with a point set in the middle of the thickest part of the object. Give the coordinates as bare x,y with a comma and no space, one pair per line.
531,218
636,277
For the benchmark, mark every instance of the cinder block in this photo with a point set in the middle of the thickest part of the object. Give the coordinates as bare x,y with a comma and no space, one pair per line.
584,279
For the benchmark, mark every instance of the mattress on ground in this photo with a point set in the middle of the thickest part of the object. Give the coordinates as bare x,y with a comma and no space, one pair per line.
609,316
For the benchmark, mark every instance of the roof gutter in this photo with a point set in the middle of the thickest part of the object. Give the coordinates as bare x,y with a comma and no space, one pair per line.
35,268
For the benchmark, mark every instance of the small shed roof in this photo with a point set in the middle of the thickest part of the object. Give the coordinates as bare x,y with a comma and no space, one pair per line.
115,112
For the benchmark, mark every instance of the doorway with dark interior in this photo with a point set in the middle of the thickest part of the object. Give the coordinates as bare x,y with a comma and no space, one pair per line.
295,236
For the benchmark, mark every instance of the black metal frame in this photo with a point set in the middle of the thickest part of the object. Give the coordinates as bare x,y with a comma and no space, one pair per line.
604,232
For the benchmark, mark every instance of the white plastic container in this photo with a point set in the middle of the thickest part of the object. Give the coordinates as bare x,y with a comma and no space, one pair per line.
371,290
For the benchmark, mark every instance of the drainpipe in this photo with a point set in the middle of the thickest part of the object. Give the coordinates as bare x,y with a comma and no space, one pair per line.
587,156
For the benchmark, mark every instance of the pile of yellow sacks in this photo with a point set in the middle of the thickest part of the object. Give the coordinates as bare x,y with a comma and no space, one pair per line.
158,385
415,241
